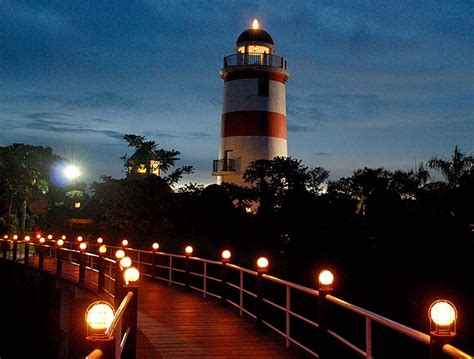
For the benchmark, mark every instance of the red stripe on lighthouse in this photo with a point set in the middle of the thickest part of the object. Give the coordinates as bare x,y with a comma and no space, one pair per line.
254,74
253,123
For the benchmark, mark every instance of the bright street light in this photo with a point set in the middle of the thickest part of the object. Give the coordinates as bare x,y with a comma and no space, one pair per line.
71,172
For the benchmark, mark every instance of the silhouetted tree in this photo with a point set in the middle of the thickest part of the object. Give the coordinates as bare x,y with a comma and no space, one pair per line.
167,158
453,169
24,171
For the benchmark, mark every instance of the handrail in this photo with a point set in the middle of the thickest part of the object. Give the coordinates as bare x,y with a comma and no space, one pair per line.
286,308
119,314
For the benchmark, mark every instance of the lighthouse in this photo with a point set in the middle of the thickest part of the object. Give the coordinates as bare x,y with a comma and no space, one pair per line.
253,123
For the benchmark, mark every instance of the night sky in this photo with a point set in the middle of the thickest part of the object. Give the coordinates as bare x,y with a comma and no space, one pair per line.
381,83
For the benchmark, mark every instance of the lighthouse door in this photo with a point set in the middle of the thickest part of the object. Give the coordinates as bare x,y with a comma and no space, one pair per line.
228,160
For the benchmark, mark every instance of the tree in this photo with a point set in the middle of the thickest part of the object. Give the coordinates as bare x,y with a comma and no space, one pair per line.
274,179
453,169
24,175
167,158
132,206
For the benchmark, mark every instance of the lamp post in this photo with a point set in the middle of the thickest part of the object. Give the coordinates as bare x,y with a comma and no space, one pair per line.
442,314
59,262
188,251
14,250
99,317
119,254
262,268
5,246
82,262
101,268
41,253
130,277
27,249
225,259
155,246
325,287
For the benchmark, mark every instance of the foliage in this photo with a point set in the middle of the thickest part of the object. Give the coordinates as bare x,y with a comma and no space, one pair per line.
23,176
132,207
454,169
167,158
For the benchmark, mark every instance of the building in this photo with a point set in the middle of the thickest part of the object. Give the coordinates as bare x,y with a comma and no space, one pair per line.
253,124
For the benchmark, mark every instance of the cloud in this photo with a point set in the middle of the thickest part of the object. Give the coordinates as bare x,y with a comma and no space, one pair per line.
51,122
46,115
104,100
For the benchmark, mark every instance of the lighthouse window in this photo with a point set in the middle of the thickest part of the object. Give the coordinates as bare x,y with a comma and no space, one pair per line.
263,86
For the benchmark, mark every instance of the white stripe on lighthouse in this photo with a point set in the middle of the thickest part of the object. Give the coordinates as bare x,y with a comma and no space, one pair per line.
247,149
242,95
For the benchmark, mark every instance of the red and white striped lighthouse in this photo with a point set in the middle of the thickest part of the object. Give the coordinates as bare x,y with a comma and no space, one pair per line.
253,123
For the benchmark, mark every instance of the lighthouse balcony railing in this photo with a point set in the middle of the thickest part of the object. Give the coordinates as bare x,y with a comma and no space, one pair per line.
224,165
255,59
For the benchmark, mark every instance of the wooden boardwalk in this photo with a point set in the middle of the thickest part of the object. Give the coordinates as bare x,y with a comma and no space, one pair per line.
173,323
178,324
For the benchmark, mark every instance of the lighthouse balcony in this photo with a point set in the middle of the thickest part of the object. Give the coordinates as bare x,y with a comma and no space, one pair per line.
255,59
223,167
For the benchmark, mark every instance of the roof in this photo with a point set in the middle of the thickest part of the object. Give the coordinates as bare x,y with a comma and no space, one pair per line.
255,35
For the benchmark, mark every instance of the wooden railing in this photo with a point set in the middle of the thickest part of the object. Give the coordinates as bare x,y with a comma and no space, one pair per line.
247,290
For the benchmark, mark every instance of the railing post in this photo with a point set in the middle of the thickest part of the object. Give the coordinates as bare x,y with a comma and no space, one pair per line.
368,338
186,270
40,249
130,321
170,274
27,251
101,274
288,317
241,293
119,283
323,324
224,271
5,248
59,261
82,266
262,265
436,346
204,281
188,252
325,288
443,316
259,309
154,258
14,250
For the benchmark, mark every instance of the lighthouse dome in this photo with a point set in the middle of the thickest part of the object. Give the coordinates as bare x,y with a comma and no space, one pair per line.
252,36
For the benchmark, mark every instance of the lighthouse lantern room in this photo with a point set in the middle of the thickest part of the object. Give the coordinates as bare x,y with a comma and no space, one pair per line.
253,124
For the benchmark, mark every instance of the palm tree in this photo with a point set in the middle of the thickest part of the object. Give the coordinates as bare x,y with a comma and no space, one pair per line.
454,168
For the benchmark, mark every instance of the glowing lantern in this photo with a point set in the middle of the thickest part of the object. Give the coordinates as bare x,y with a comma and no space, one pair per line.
99,315
131,275
443,315
262,264
226,255
125,262
188,250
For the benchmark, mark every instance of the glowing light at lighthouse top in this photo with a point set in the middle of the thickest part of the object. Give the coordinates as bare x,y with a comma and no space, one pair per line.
255,24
